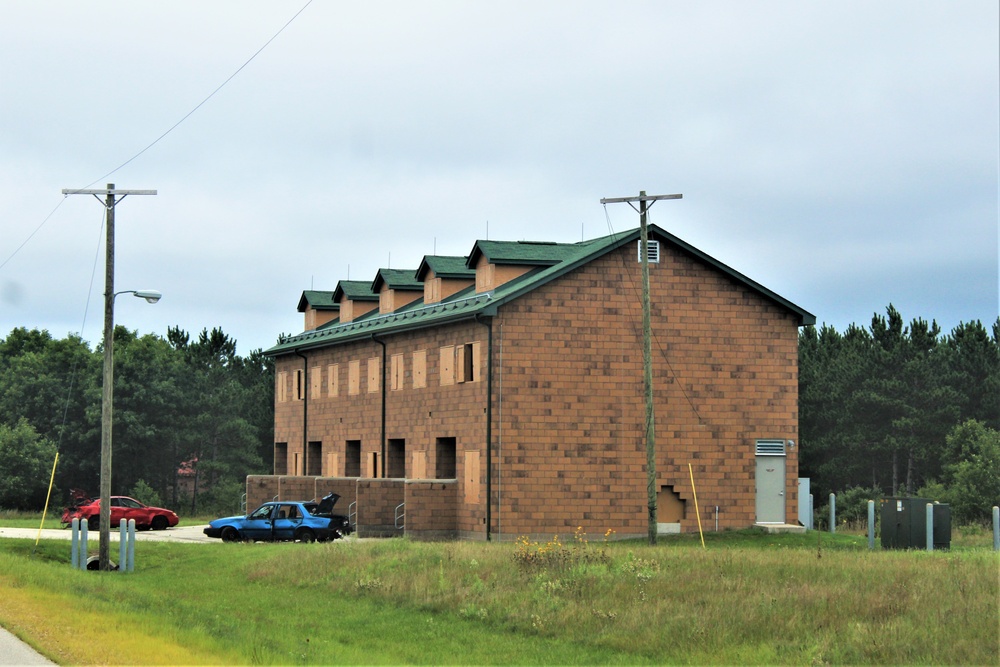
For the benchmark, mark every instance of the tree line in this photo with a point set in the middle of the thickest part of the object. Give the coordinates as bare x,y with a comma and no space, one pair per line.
192,418
887,409
902,409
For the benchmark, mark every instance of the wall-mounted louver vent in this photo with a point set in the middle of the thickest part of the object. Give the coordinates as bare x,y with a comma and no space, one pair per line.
770,448
653,251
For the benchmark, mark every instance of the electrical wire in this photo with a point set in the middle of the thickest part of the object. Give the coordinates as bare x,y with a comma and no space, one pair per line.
162,136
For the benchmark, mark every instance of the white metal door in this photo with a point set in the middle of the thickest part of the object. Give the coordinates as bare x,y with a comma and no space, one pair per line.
771,481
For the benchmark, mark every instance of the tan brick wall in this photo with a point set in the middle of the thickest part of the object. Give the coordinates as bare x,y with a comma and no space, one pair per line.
431,509
568,402
573,452
417,415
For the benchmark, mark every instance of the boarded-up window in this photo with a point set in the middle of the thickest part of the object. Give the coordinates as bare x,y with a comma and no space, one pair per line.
373,380
354,377
300,386
396,371
460,368
297,464
467,366
471,476
419,465
333,380
447,365
372,465
332,465
281,390
315,382
420,369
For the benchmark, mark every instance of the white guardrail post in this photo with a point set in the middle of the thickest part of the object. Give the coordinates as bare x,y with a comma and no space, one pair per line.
871,525
996,528
122,545
131,545
84,549
74,554
833,513
930,527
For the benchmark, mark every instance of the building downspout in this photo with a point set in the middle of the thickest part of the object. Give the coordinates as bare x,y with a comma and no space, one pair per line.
383,392
489,424
305,412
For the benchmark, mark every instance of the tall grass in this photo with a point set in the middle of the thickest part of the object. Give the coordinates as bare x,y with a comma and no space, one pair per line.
749,598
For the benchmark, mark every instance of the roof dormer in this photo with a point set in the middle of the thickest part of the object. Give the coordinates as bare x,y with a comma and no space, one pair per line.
319,308
355,298
443,276
499,262
395,289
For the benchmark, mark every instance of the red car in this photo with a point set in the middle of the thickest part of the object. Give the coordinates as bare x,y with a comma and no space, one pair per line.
122,507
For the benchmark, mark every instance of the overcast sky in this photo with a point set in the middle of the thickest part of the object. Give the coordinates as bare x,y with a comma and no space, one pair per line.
843,154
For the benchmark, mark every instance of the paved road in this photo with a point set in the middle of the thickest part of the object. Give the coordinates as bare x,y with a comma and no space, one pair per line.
177,534
15,652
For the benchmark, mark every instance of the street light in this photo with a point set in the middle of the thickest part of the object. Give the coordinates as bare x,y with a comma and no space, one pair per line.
150,295
107,398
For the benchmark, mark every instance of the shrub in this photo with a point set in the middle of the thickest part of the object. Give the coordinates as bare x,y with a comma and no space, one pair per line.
146,494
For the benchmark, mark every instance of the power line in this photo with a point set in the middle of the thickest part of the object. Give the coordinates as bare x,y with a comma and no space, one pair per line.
162,136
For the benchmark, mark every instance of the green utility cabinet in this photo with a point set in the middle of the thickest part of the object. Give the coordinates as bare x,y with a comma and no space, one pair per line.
904,523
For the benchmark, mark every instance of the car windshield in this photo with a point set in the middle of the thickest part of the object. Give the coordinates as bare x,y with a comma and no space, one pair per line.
263,512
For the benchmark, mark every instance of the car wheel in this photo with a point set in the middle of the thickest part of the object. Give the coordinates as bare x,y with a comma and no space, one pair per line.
230,534
94,522
305,535
159,523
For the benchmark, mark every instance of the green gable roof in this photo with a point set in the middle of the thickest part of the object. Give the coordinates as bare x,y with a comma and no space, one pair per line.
355,290
540,253
401,279
552,260
445,266
317,300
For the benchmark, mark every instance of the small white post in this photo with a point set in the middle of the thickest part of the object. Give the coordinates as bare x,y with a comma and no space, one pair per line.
996,528
833,513
131,545
930,527
122,546
871,524
74,557
84,549
812,512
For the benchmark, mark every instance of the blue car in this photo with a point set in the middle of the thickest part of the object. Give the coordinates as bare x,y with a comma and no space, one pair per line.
284,520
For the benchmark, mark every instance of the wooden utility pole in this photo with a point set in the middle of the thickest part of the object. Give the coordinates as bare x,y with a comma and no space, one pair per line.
107,394
647,352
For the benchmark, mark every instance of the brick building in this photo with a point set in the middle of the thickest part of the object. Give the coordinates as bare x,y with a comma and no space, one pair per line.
501,394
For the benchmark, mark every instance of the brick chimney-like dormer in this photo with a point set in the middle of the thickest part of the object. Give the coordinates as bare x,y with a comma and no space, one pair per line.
355,298
443,276
319,308
395,289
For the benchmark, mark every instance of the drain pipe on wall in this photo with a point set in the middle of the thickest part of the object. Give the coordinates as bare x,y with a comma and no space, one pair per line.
489,422
383,392
305,412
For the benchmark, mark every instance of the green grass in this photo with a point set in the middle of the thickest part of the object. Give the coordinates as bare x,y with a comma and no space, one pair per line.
749,598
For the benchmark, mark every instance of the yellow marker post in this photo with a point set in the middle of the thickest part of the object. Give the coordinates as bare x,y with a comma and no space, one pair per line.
47,496
696,510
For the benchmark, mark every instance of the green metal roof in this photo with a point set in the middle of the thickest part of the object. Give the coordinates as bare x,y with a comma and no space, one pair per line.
401,279
552,260
445,266
317,300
